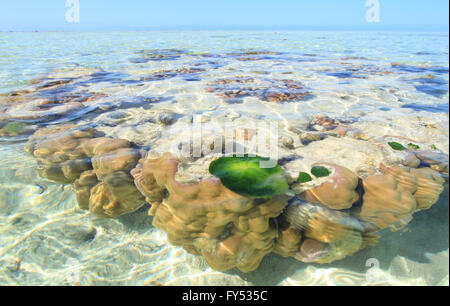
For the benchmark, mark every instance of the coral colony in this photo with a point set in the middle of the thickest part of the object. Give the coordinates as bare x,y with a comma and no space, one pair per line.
242,212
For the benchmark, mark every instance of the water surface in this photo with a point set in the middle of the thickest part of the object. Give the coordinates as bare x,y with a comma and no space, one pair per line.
384,84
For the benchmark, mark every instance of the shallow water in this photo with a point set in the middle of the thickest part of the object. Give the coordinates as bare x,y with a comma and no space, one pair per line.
383,84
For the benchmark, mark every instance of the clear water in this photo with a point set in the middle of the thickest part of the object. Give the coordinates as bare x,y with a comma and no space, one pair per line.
46,239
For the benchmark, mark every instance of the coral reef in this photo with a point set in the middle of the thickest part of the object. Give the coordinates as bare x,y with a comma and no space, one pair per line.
168,74
228,229
324,123
47,99
312,230
336,191
234,212
397,193
385,201
321,127
236,218
323,224
157,55
253,55
414,155
265,90
329,235
97,167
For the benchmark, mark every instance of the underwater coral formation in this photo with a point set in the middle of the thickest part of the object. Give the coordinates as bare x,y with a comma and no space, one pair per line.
97,167
380,201
45,100
333,215
265,90
335,233
228,229
337,192
417,155
168,74
243,213
253,55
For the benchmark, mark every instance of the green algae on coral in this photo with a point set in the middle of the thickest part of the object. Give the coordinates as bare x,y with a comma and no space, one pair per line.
319,171
14,127
396,146
433,147
413,146
304,177
245,176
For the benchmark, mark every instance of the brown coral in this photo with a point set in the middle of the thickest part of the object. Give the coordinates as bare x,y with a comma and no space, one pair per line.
338,191
167,74
46,101
429,187
252,55
332,127
97,167
323,224
228,229
329,235
265,90
288,241
425,184
321,253
385,201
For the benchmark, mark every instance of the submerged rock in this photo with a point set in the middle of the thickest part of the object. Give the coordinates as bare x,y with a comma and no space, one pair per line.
435,160
307,137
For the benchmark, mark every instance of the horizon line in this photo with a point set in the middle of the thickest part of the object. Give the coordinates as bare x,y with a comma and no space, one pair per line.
244,28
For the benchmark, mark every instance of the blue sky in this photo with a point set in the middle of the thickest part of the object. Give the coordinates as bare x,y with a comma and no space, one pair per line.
45,15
